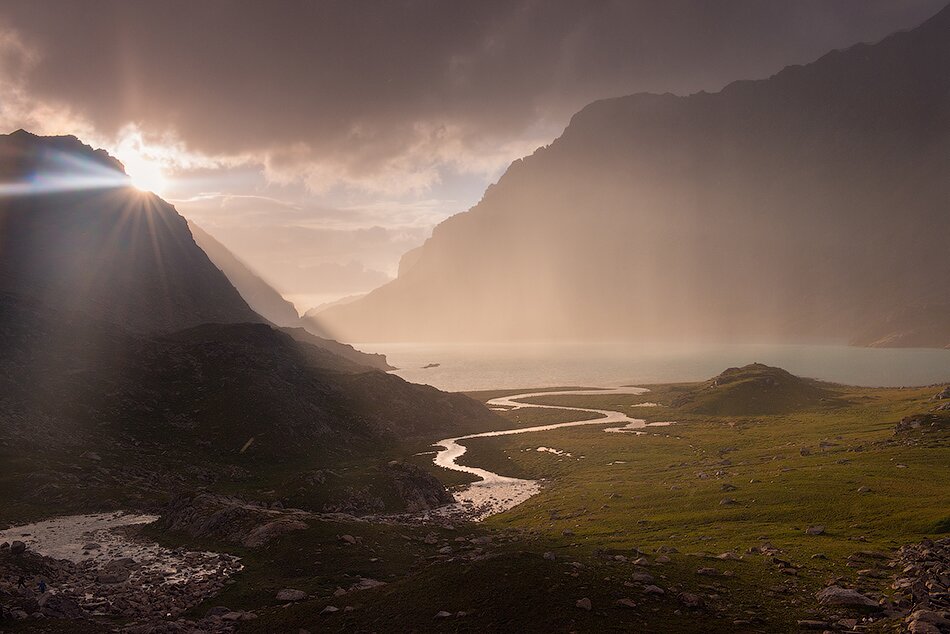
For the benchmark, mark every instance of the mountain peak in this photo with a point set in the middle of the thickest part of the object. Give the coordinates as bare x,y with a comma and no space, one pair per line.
27,155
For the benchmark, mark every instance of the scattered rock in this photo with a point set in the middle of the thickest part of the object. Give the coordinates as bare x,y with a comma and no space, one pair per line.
291,595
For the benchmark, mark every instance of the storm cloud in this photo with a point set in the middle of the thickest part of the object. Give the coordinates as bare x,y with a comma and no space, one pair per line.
380,95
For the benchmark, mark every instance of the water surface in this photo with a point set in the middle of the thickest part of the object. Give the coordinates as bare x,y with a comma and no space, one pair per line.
492,366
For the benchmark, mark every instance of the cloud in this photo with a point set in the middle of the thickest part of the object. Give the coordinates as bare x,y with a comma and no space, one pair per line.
385,97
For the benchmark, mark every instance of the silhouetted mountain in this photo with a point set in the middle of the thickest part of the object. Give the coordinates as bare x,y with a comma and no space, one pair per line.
78,238
259,295
130,362
810,204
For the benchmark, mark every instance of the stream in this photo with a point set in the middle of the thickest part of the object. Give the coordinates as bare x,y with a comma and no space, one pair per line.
495,493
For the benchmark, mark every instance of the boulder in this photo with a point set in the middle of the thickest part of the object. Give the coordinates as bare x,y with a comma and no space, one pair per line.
289,595
17,547
846,597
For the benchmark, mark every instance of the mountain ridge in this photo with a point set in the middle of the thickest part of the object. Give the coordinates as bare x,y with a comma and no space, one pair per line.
789,207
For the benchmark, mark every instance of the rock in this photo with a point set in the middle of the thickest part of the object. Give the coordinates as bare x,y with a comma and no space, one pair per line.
729,556
290,595
92,546
567,532
653,590
662,559
813,625
584,604
549,556
418,489
728,487
815,530
431,539
929,616
922,627
708,572
727,502
218,610
17,547
835,595
864,489
442,614
329,610
689,600
945,393
348,539
626,603
642,577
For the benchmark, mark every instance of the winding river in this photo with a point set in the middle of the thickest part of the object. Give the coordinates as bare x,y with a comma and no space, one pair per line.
495,493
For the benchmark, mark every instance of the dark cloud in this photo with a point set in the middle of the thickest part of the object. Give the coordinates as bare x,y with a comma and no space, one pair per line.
381,94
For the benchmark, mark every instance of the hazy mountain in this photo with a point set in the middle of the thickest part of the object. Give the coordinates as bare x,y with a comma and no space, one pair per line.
81,239
810,204
270,304
259,295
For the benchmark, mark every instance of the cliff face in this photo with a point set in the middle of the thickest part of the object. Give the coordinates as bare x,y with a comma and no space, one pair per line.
810,204
78,238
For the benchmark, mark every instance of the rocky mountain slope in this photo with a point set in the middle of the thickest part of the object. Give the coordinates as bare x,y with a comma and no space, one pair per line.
810,204
217,403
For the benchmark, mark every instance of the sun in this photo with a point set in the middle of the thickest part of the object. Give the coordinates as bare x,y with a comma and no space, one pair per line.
145,175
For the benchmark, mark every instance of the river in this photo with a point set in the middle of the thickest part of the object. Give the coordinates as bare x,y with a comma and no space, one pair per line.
495,493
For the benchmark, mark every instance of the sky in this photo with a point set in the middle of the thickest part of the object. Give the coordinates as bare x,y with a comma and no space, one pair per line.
320,141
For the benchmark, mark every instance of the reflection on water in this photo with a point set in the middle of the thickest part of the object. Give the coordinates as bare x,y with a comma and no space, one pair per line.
493,366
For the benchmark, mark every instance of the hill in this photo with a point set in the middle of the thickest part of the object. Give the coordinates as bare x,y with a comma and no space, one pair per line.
754,389
93,410
806,205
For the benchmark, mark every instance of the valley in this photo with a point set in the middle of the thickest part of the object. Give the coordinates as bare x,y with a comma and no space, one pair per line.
742,518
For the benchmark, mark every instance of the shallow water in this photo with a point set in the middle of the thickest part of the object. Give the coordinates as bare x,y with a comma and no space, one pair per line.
511,366
66,537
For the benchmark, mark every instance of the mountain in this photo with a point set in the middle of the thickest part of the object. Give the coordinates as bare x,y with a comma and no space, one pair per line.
921,326
260,296
77,238
271,305
812,204
131,367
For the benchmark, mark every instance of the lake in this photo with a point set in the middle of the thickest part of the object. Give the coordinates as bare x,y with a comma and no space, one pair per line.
465,367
